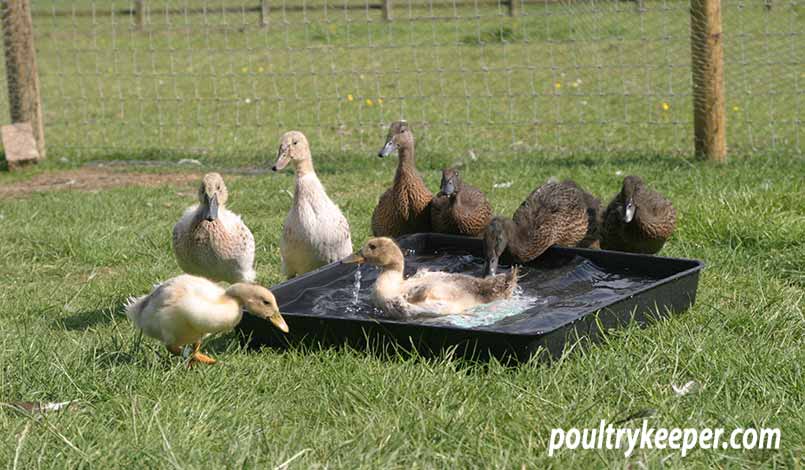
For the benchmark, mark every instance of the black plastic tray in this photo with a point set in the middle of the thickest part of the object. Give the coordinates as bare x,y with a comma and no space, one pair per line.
669,286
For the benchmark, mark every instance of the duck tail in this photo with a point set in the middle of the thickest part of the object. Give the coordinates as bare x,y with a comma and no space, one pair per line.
134,306
512,279
500,286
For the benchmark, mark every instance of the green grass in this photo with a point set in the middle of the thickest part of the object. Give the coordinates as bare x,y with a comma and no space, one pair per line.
481,90
68,260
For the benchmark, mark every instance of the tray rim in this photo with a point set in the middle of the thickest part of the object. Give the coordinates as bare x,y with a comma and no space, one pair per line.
698,265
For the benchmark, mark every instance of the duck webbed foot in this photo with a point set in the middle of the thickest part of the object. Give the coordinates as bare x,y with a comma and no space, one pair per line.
198,356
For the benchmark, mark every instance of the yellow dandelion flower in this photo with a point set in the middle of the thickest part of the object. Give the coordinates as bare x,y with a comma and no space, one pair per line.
332,28
557,85
380,101
665,106
244,69
260,69
350,98
369,102
736,108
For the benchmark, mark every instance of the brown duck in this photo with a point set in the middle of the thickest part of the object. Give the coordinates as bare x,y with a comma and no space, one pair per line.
405,207
458,208
638,219
595,219
554,214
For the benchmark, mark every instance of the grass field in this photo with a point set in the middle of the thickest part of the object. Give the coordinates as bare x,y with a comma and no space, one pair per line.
70,258
581,77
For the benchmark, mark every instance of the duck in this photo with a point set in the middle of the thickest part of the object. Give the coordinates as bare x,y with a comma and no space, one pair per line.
405,207
638,219
595,219
458,208
185,309
315,232
556,213
427,293
211,241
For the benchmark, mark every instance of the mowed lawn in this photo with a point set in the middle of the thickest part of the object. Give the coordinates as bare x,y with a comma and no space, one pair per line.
69,259
589,91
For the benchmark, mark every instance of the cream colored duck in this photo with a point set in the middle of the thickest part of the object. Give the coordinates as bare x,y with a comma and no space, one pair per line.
185,309
211,241
427,292
405,207
315,232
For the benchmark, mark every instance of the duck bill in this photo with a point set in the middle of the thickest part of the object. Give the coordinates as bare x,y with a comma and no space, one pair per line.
279,322
628,214
491,267
210,212
282,159
387,149
448,188
355,258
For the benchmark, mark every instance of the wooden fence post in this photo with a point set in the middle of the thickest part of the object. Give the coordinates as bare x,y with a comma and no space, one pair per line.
514,7
139,13
707,54
25,103
387,10
263,13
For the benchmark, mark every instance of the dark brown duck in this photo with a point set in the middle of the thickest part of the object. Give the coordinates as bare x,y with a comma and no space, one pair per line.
554,214
638,219
458,208
595,219
405,207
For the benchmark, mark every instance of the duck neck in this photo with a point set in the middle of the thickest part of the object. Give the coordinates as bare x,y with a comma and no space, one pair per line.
406,167
307,182
389,282
304,168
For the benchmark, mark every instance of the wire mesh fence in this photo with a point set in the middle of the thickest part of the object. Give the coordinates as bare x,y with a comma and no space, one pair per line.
226,77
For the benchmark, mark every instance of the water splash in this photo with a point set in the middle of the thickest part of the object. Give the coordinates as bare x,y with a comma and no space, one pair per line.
546,293
356,287
488,314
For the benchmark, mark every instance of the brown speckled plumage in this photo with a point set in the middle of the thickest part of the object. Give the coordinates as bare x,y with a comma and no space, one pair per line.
652,223
595,218
405,207
464,211
554,214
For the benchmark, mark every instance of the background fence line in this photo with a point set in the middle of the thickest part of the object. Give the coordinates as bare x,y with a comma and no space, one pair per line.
225,77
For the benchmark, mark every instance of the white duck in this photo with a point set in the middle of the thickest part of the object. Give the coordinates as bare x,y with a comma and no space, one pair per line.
210,240
315,232
185,309
427,292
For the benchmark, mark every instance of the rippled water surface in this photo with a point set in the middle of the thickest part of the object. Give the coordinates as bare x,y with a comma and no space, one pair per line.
548,293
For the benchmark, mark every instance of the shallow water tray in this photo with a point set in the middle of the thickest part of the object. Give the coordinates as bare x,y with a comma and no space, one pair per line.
569,294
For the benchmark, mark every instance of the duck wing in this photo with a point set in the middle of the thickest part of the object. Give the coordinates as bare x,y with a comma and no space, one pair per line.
595,217
554,214
471,212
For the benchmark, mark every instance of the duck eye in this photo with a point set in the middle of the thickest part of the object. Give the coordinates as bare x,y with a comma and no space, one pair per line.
266,302
295,142
371,246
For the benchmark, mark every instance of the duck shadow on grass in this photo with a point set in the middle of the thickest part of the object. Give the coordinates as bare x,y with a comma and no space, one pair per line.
87,319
